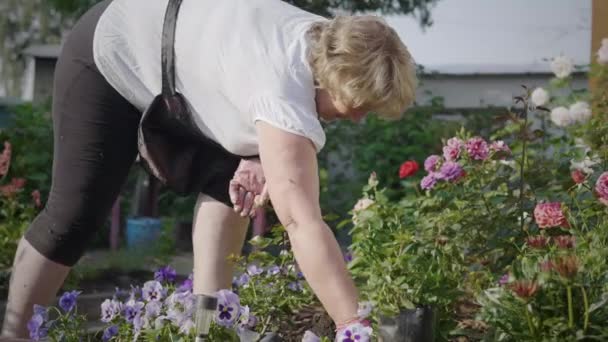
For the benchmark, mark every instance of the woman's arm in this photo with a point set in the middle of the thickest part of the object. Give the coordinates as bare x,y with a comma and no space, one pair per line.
290,166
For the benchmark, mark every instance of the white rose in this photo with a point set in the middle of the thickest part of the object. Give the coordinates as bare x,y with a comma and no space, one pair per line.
562,66
561,116
539,97
580,111
602,53
585,165
363,204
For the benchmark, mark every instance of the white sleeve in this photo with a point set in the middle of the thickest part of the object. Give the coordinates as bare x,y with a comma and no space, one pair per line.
297,116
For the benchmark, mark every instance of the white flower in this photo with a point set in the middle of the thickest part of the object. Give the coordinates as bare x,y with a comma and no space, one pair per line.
540,97
365,309
584,165
363,204
602,53
562,66
561,116
309,336
509,163
580,111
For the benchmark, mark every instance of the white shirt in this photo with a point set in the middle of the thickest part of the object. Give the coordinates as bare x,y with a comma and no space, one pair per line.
237,62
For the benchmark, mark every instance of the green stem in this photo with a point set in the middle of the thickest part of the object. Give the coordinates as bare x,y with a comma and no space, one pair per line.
264,328
529,319
586,303
570,308
523,161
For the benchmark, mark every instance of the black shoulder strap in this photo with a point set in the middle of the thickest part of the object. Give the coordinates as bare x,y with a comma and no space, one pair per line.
167,47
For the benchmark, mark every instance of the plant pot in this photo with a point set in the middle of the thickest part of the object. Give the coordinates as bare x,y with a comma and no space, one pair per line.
411,325
143,232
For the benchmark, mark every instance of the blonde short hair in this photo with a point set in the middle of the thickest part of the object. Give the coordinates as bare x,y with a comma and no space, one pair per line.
362,62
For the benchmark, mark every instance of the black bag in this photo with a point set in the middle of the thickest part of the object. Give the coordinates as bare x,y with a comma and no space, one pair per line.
171,146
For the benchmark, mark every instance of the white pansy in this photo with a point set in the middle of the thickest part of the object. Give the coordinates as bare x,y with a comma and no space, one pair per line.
580,111
562,66
540,97
602,53
561,116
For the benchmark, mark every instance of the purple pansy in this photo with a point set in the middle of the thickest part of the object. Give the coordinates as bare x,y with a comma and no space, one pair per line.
295,286
153,309
246,319
186,285
309,336
109,332
274,270
451,171
165,274
432,162
229,308
110,308
36,327
152,291
354,332
254,270
242,280
68,300
131,309
348,256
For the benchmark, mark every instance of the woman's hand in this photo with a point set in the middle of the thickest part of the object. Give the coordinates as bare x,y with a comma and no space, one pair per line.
248,189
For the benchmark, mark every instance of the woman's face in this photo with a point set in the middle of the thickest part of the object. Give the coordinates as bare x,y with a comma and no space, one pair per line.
331,109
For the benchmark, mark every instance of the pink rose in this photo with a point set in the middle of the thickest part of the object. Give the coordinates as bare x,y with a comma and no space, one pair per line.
5,159
477,148
451,150
499,147
548,215
601,187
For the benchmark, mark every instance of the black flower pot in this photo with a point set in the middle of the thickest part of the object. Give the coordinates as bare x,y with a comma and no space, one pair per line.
411,325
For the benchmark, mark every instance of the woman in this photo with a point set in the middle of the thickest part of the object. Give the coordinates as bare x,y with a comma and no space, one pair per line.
259,76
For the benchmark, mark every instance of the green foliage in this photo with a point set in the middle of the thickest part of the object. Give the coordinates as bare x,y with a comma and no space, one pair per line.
279,290
30,133
29,137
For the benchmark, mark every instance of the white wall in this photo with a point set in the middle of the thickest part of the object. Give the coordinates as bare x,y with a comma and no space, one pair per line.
476,91
498,36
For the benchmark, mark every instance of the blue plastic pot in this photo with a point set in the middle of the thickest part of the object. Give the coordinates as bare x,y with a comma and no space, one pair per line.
143,231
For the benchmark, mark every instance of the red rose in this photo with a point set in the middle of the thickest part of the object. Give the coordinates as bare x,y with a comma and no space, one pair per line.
408,169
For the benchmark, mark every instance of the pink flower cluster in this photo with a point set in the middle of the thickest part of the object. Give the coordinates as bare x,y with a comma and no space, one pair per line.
476,148
447,167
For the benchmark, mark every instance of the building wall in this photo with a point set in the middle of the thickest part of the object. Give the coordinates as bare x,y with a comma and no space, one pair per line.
43,85
478,91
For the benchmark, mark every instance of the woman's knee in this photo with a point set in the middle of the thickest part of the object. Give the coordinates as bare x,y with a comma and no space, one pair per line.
61,232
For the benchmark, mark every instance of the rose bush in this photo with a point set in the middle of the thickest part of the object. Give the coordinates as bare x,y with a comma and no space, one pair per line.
505,227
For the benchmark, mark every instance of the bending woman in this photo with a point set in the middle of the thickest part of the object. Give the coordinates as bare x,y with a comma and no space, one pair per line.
259,75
